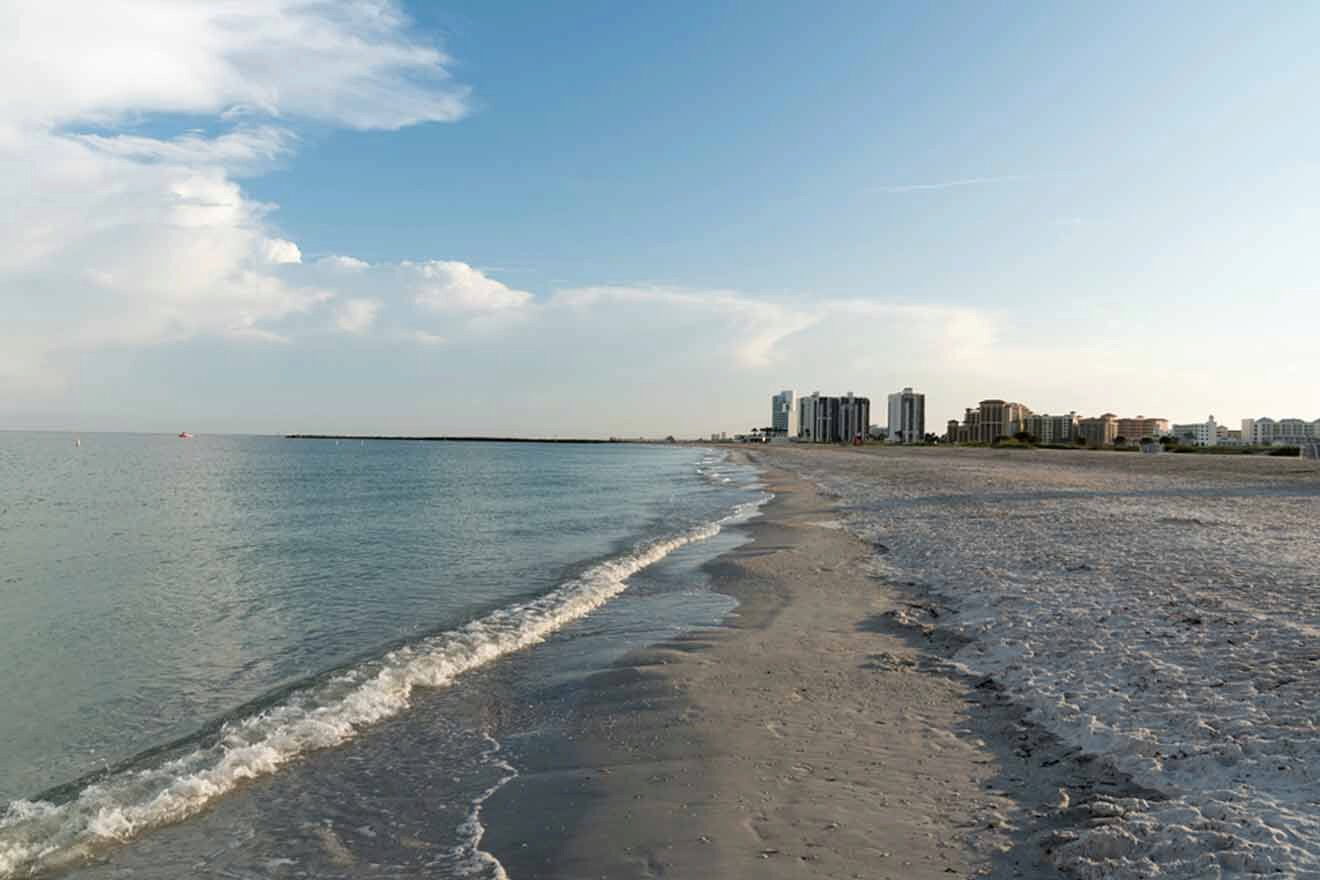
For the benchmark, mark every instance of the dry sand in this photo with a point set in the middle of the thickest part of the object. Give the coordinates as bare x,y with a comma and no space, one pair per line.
813,736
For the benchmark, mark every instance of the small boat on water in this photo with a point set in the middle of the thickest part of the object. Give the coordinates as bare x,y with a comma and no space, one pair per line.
184,435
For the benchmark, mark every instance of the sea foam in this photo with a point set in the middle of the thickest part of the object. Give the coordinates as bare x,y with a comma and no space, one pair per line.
36,836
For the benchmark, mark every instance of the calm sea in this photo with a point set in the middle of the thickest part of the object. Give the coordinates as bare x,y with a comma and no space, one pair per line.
257,655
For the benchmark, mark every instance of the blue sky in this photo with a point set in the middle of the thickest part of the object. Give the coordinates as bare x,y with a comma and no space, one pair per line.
589,218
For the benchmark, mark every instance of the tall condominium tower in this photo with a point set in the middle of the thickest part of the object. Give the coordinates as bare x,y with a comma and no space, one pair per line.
907,416
784,413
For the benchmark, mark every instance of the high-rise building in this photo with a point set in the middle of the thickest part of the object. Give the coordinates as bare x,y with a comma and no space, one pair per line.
970,429
1099,431
827,420
907,416
1000,418
784,414
1051,429
807,407
832,419
854,418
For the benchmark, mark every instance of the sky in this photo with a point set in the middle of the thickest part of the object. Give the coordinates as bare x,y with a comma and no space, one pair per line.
595,219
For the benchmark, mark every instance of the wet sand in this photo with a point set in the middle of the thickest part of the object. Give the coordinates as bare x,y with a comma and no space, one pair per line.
820,733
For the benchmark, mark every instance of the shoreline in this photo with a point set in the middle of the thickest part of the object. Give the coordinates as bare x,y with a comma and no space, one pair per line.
813,734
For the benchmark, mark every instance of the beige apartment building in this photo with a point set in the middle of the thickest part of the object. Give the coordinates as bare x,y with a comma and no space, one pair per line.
1134,429
1051,429
999,418
970,431
1099,431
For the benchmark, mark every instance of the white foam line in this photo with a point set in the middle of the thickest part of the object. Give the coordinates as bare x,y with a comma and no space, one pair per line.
472,857
37,836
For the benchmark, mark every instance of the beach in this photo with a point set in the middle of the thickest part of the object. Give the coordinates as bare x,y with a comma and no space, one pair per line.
771,661
963,663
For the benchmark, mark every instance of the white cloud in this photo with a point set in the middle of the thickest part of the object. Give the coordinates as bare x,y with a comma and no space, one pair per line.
116,238
278,251
348,63
760,335
356,315
236,150
343,263
452,286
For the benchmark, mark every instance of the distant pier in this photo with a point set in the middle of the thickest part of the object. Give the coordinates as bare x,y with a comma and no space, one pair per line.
462,439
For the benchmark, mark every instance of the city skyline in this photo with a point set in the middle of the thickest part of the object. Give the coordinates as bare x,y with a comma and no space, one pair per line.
1097,209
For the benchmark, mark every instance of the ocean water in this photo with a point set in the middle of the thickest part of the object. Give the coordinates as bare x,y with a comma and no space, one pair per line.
257,656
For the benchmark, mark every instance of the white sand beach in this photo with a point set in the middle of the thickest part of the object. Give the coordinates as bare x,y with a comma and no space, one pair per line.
973,663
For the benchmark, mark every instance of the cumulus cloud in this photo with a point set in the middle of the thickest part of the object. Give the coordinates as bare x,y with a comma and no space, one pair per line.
452,286
111,237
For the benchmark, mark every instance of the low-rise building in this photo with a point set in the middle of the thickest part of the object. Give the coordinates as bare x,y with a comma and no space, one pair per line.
1205,433
1279,432
1133,430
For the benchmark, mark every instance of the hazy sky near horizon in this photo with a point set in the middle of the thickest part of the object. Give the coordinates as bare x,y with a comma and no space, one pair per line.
597,218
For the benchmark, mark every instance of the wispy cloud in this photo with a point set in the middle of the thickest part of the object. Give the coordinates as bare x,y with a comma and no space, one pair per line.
949,184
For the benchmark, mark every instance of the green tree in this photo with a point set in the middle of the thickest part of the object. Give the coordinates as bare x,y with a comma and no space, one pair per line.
1120,440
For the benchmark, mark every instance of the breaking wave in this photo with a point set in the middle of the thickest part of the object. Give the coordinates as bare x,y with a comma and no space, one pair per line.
40,835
